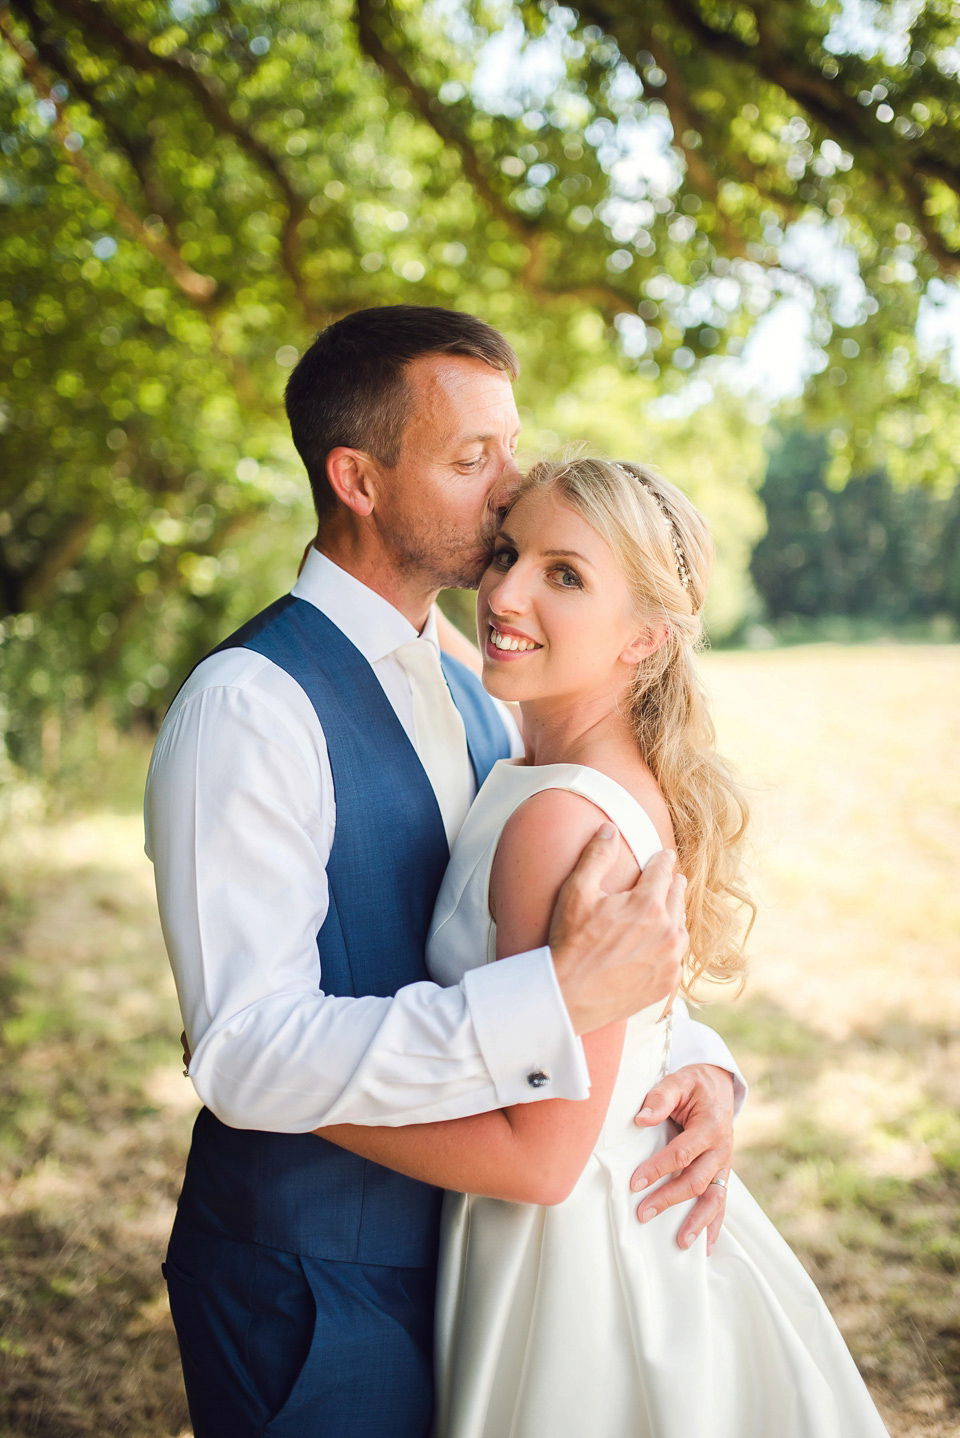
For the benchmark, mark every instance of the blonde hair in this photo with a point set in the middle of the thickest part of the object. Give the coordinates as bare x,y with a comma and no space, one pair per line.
663,545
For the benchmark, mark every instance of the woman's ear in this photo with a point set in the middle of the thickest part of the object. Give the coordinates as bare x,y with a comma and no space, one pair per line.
651,637
353,475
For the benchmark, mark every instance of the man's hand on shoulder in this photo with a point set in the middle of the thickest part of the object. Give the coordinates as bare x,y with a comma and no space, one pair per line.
617,953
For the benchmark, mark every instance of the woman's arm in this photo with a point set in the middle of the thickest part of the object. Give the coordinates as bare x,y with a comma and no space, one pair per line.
534,1152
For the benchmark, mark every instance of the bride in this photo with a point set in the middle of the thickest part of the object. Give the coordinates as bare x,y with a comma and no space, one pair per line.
561,1311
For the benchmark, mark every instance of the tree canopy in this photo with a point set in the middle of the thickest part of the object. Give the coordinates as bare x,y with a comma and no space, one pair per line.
190,188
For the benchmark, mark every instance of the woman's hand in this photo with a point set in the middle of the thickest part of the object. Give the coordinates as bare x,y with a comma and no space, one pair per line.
699,1099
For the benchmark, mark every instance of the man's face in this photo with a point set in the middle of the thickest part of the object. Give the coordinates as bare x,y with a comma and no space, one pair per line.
437,509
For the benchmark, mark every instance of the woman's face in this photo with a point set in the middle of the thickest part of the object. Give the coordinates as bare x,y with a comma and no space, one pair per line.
554,611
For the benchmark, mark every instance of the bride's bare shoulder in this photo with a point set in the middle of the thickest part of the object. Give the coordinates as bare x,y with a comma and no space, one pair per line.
542,841
539,847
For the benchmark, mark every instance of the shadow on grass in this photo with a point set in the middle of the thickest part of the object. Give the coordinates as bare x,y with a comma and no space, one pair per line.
87,1346
853,1147
91,1157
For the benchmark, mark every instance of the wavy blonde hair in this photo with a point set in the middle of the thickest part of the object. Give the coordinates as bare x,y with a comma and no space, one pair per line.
660,539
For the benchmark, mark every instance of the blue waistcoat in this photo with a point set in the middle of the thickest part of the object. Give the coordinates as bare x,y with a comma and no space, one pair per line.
297,1192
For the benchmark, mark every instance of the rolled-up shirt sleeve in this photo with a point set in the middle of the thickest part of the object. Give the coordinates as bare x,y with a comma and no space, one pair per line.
239,818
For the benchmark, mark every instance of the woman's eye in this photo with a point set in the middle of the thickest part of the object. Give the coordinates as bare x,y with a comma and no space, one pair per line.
503,558
568,578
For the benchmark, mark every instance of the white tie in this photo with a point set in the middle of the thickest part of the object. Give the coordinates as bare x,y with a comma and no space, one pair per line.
440,738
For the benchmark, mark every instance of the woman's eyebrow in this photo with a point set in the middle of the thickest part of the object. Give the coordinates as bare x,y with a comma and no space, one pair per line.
567,554
549,553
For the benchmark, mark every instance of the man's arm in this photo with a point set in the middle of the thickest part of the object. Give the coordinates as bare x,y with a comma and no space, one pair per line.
536,1152
240,815
530,1153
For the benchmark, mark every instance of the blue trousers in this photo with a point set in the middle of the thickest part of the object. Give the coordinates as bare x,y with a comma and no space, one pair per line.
274,1345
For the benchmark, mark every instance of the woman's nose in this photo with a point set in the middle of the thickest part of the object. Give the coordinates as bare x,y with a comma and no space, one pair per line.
510,595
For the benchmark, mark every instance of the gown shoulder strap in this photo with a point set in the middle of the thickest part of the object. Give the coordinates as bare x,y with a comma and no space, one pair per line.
620,807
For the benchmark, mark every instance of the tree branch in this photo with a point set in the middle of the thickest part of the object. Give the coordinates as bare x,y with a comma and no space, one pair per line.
429,109
607,298
11,584
826,101
198,288
94,20
60,554
855,125
55,55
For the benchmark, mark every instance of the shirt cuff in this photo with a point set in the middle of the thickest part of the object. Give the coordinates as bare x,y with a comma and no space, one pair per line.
524,1030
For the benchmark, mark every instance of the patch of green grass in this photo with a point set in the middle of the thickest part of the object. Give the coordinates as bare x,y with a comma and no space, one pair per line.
764,1029
939,1129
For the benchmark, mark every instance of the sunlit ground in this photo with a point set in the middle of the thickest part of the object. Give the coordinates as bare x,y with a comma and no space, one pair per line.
850,1032
850,1028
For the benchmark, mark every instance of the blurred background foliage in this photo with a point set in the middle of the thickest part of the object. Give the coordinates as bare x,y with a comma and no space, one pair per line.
190,188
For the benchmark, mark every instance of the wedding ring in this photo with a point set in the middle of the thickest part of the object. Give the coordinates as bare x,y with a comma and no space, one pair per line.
722,1181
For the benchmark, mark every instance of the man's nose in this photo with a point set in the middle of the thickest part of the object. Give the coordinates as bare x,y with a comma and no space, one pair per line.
510,475
506,487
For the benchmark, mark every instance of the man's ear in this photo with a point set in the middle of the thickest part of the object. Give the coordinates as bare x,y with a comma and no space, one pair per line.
648,641
353,478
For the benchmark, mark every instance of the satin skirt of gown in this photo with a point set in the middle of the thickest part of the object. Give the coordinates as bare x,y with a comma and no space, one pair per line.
578,1321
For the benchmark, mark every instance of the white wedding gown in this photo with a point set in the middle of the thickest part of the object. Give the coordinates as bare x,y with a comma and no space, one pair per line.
577,1321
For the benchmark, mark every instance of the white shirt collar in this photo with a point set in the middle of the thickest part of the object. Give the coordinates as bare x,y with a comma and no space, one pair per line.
368,620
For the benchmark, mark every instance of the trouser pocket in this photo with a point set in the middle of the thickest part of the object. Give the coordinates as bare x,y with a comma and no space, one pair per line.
244,1317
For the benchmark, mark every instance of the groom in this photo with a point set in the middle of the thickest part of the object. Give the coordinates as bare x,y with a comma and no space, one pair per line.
305,788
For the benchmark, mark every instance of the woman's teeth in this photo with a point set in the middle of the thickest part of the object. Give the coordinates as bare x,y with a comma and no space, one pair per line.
508,641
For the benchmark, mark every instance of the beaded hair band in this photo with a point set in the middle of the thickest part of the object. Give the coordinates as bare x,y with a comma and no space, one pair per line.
682,570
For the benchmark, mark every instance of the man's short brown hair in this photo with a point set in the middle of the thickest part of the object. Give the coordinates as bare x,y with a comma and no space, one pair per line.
349,388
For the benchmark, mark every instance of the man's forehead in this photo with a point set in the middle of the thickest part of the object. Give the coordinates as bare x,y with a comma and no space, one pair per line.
453,383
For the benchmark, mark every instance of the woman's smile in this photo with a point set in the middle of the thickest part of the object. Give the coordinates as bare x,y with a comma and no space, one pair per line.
504,642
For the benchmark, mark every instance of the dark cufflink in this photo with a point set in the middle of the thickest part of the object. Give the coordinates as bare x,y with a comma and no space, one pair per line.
537,1078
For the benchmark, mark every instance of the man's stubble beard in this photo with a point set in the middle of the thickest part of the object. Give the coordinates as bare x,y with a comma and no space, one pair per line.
437,567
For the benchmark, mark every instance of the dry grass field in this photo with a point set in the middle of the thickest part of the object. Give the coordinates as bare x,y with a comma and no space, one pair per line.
849,1030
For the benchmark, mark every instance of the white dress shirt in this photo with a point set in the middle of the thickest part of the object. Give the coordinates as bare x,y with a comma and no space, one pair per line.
240,816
